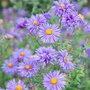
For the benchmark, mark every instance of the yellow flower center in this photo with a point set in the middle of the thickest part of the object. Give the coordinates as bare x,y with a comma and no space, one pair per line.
18,87
27,67
81,16
35,22
10,65
22,54
66,59
49,31
54,81
62,6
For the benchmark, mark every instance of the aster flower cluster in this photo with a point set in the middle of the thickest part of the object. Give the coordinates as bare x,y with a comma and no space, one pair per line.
25,64
69,17
39,25
22,63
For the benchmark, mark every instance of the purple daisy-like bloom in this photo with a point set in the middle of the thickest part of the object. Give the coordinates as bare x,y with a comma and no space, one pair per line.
76,5
28,68
87,28
22,13
85,11
65,61
8,13
70,20
10,66
88,53
35,22
21,23
14,85
54,81
49,33
46,55
61,7
21,54
47,15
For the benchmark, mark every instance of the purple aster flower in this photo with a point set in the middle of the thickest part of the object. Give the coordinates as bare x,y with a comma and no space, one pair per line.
65,61
85,11
10,66
35,22
47,15
49,33
70,20
5,11
76,5
88,53
21,54
87,28
21,23
14,85
61,7
28,68
22,13
54,81
46,55
10,10
8,13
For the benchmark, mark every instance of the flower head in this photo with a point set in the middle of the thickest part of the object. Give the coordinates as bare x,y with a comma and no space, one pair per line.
85,11
21,54
21,23
76,5
35,22
87,28
28,68
54,81
47,15
46,55
61,7
70,20
65,61
49,33
14,85
10,66
22,13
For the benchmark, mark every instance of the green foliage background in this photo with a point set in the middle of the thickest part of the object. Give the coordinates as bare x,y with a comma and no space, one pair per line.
79,79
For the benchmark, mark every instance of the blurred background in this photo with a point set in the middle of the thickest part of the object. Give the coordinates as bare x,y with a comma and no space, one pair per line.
11,10
35,6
